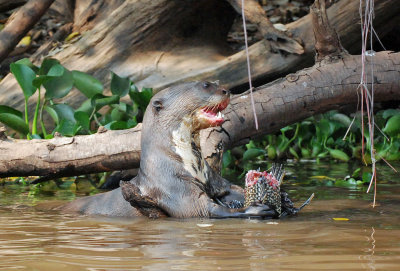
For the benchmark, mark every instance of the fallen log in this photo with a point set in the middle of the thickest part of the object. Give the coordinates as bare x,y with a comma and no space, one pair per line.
20,23
160,43
297,96
7,5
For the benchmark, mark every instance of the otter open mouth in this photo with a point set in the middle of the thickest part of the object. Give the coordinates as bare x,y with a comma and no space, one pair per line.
211,115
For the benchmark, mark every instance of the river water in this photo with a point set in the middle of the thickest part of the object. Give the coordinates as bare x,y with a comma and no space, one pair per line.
32,238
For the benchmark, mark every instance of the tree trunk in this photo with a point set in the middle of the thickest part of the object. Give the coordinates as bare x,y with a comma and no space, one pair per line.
70,156
158,43
297,96
20,23
7,5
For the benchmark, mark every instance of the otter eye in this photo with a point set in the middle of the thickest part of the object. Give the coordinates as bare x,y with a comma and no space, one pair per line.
157,104
206,85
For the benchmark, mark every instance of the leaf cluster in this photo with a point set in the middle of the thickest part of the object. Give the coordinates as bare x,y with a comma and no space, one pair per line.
57,82
321,137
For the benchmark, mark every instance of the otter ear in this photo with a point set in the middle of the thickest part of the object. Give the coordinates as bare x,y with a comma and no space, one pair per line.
157,105
216,82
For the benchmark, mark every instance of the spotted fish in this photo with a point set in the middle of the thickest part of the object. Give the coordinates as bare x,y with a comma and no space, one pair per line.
264,188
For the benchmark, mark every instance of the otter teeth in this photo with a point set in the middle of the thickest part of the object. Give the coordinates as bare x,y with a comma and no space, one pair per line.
220,115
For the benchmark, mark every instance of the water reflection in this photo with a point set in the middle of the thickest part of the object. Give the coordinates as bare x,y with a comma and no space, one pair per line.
31,239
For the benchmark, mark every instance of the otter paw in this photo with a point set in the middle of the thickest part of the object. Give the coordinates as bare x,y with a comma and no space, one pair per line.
260,210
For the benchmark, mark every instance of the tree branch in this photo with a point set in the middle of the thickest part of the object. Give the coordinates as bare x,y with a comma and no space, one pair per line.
327,43
6,5
310,91
23,20
297,96
70,156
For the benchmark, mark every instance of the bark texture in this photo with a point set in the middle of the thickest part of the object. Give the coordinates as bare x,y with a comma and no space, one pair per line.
297,96
278,40
305,93
70,156
327,43
159,43
6,5
20,23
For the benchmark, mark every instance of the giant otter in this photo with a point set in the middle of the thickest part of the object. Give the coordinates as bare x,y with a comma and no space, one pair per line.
174,179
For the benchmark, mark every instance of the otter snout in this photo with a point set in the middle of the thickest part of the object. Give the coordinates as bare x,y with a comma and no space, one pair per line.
223,92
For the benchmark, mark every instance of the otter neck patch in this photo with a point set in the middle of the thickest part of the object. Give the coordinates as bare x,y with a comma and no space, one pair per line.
185,147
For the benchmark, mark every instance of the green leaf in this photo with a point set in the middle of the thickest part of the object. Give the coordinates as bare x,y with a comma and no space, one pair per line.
105,120
59,86
119,85
87,84
27,62
83,119
356,173
316,149
287,128
116,114
100,100
227,159
86,107
53,114
251,145
325,128
66,127
38,81
305,153
64,112
141,98
131,122
116,125
56,70
271,152
366,177
393,156
25,77
294,153
390,112
322,154
341,118
339,155
251,154
10,110
47,64
14,122
392,127
36,136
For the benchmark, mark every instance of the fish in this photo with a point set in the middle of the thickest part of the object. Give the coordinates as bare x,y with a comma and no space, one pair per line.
262,187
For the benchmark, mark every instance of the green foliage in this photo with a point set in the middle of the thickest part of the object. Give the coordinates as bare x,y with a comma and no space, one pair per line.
320,137
57,81
360,179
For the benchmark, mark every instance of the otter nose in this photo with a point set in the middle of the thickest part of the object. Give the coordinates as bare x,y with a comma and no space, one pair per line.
225,92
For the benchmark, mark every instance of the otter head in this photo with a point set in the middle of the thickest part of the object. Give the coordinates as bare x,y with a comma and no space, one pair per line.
197,104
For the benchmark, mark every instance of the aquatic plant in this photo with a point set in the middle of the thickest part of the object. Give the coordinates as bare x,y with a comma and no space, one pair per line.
320,137
57,82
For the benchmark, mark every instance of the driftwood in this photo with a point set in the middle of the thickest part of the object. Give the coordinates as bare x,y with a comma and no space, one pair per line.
330,84
6,5
278,40
20,23
63,156
158,43
327,43
295,97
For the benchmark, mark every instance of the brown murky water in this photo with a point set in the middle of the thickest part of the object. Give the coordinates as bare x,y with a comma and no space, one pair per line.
31,239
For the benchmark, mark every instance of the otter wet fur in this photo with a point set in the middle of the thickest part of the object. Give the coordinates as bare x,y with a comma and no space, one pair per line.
174,180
